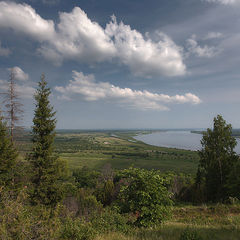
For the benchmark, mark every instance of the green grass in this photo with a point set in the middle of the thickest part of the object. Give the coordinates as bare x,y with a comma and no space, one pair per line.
219,222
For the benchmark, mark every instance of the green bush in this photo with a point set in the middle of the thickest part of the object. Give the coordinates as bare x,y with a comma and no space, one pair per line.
110,221
20,221
105,192
86,177
87,203
189,234
75,229
144,194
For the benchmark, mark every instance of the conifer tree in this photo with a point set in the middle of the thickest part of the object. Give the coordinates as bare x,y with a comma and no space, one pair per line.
8,156
46,168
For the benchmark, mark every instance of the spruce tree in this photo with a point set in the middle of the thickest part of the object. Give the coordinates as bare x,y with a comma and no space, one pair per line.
8,156
46,167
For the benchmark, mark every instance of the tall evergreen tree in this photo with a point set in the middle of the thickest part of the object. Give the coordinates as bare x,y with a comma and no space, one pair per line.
8,156
217,157
45,165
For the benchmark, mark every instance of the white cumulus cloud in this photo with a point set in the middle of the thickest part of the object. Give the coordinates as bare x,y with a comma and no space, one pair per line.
77,37
23,18
144,56
80,38
91,90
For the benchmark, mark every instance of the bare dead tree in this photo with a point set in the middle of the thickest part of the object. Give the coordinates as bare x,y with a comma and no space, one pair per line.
13,106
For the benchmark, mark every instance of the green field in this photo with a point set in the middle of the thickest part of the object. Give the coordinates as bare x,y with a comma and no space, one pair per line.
121,150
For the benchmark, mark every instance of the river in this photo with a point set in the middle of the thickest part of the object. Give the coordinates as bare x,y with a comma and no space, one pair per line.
176,139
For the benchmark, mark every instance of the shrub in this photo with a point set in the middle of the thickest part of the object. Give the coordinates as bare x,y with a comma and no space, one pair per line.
87,203
20,221
105,192
75,229
110,221
145,195
86,177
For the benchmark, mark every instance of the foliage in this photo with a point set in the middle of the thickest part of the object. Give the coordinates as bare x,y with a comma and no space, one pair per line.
110,221
217,157
143,193
20,221
86,177
76,229
87,203
233,181
47,170
105,192
8,157
179,185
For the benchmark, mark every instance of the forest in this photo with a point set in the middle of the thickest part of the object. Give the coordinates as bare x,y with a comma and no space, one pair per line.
106,185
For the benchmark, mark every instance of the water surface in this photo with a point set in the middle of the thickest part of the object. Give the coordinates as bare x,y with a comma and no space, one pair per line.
176,139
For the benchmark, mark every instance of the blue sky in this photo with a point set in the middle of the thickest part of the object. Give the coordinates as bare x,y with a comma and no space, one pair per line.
125,64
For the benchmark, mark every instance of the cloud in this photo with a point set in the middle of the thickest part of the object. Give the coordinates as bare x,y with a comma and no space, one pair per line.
213,35
201,51
4,51
23,18
51,54
144,56
225,2
76,37
87,87
19,74
25,91
24,88
82,39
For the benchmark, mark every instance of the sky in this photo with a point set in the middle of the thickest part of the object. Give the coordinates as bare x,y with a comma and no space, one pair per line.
125,64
